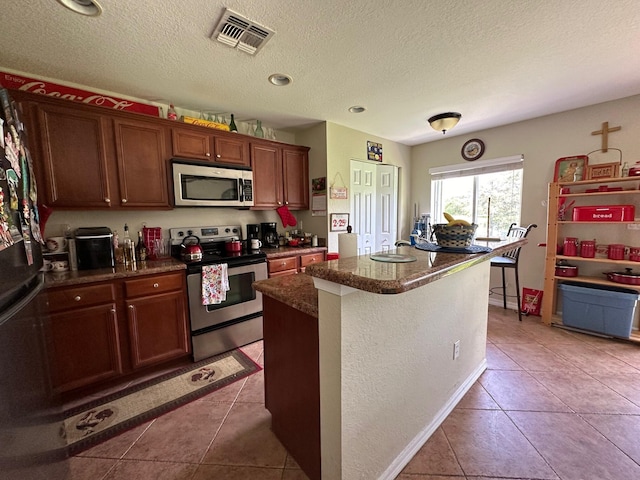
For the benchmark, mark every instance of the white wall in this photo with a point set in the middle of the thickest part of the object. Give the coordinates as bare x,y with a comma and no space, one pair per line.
542,141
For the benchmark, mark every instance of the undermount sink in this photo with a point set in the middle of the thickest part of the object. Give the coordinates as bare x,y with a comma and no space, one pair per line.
392,257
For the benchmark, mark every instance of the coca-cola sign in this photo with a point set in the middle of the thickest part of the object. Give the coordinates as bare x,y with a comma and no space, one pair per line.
18,82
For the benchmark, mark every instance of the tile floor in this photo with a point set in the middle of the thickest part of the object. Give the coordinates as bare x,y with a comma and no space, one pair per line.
553,404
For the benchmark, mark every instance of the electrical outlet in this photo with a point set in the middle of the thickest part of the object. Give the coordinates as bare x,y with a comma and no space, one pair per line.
633,226
456,349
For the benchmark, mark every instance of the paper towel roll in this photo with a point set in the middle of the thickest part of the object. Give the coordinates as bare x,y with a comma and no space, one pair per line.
348,245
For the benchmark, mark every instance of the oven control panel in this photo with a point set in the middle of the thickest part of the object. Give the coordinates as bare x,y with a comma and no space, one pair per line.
219,233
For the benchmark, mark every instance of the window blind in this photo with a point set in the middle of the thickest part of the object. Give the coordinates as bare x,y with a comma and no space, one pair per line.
502,164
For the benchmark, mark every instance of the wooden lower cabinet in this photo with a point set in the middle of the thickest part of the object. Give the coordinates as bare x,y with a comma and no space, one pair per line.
109,329
293,263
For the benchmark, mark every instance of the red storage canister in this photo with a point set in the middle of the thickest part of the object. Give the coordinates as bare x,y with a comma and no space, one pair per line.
588,248
616,251
570,248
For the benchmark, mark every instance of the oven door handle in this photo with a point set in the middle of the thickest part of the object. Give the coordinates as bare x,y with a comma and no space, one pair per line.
241,189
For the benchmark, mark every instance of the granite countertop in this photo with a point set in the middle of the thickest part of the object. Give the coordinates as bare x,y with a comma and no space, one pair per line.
296,291
369,275
77,277
299,292
289,251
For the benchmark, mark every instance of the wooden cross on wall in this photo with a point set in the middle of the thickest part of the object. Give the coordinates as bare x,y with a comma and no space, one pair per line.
604,131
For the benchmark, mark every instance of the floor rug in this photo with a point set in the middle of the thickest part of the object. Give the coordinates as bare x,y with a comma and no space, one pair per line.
97,421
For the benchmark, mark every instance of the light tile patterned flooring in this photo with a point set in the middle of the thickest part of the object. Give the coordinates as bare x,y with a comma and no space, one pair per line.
553,404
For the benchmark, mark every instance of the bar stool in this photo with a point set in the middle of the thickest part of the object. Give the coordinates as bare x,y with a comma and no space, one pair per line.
510,260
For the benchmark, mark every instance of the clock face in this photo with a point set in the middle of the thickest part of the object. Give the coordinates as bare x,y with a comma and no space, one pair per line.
472,149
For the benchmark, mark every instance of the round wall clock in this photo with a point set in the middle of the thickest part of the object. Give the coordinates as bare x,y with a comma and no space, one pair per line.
472,149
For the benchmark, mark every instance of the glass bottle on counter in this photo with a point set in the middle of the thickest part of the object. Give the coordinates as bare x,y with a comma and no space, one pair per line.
259,133
118,251
141,249
232,125
128,247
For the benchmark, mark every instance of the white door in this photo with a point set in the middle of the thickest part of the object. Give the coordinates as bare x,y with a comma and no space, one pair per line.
374,206
363,205
387,207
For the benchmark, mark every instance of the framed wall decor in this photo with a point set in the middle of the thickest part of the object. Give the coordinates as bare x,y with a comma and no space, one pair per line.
602,170
472,149
339,222
570,169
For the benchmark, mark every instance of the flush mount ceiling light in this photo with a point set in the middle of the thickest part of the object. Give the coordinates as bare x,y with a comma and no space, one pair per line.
357,109
444,121
280,79
90,8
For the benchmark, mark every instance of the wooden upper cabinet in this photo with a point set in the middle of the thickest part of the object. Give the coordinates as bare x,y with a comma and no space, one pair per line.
280,176
75,155
219,148
295,168
142,167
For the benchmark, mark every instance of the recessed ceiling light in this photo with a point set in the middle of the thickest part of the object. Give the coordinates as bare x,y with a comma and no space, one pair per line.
357,109
280,79
91,8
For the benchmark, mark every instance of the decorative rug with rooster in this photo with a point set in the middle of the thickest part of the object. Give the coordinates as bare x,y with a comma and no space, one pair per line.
99,420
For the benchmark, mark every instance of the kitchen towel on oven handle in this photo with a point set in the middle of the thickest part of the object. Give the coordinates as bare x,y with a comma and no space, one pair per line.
215,283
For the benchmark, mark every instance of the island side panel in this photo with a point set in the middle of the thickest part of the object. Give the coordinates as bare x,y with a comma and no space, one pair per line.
397,376
292,395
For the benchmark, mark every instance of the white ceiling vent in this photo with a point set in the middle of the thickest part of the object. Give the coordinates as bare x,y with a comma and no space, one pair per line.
240,32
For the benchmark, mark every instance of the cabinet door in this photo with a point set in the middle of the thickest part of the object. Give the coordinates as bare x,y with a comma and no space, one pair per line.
266,163
189,144
157,328
141,159
231,151
86,346
295,165
74,157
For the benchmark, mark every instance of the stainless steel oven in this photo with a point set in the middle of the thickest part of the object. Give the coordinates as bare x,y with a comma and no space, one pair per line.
237,321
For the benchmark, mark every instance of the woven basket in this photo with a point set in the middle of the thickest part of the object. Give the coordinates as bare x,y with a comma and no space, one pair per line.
455,236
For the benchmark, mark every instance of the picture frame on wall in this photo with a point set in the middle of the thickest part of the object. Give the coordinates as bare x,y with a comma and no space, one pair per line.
339,222
570,169
602,170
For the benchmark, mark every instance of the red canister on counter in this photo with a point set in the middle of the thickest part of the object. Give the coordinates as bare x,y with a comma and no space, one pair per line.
616,251
634,254
570,248
588,248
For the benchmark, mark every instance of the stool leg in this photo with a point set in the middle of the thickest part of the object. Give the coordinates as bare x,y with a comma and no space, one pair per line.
504,290
518,294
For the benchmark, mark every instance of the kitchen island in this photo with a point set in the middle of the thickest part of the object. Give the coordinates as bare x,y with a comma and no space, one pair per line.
359,356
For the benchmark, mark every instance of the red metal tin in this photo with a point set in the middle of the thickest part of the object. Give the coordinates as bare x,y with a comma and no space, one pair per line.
570,248
616,251
588,248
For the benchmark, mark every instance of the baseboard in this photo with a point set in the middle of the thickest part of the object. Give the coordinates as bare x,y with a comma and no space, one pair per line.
401,461
497,302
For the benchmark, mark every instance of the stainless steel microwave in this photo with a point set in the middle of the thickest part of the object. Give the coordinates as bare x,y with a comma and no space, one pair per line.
199,185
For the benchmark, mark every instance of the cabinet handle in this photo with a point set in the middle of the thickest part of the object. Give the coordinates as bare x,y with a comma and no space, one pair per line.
313,259
124,200
284,263
279,203
113,310
77,298
155,285
207,154
218,156
107,200
131,307
286,203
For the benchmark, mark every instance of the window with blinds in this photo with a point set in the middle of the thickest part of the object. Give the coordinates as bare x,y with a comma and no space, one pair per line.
486,192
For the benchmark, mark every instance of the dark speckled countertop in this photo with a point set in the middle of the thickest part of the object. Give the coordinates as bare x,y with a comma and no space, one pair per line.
76,277
288,251
369,275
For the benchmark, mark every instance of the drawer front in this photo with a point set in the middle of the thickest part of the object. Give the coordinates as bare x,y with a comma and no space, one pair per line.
311,258
81,296
154,284
282,264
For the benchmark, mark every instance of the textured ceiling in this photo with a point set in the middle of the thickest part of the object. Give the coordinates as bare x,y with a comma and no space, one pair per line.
494,61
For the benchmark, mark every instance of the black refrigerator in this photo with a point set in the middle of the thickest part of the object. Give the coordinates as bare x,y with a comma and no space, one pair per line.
32,440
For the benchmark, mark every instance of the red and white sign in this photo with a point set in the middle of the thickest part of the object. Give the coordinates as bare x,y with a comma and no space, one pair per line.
43,87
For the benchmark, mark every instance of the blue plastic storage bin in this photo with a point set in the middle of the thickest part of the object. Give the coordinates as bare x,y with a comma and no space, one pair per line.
598,308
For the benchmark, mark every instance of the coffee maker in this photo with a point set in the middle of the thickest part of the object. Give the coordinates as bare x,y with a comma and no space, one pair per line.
269,234
253,231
